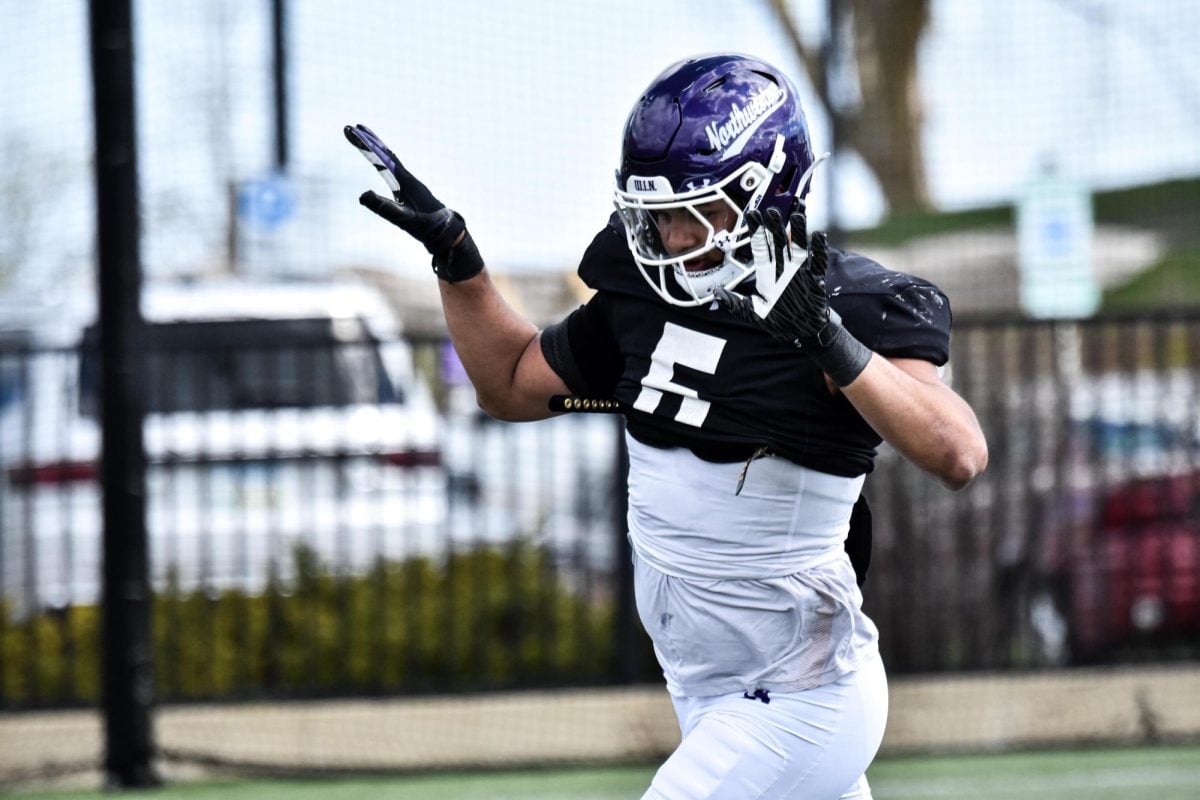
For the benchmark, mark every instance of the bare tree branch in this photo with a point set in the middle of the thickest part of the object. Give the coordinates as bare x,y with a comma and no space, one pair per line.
812,58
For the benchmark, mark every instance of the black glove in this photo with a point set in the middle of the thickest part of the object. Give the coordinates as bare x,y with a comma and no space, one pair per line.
790,302
416,211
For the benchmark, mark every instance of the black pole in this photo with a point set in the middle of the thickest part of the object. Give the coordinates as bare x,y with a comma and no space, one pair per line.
279,76
834,58
128,677
627,632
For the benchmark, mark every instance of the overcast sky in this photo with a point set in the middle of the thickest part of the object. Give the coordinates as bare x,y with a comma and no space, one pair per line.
512,112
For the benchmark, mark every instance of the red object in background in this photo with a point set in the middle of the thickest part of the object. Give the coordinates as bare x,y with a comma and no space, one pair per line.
1138,576
54,473
1151,500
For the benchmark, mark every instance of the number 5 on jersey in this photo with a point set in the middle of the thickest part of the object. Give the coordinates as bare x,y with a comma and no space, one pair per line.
687,348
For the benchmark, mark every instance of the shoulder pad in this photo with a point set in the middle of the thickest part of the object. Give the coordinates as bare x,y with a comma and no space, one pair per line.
893,313
852,273
607,264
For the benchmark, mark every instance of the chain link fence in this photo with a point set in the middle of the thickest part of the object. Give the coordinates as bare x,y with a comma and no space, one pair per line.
328,514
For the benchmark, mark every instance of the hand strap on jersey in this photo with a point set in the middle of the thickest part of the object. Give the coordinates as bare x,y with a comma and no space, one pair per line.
560,403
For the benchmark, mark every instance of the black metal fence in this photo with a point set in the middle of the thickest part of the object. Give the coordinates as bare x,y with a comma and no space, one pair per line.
317,524
327,519
1081,541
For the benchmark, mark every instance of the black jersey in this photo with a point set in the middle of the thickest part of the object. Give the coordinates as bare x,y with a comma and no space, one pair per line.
702,379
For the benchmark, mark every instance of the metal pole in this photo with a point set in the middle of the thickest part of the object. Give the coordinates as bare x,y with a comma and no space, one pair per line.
279,80
834,57
128,676
628,632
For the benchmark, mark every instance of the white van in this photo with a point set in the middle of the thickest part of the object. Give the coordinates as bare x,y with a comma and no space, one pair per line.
277,415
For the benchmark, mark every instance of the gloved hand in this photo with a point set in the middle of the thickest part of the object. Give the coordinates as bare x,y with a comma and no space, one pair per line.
790,301
416,211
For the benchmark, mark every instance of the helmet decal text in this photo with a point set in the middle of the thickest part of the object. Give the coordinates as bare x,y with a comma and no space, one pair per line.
640,184
732,135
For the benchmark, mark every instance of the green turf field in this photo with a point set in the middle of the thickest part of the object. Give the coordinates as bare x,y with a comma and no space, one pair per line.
1161,773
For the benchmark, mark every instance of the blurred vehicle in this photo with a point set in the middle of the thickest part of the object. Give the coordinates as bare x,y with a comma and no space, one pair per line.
1124,554
276,416
554,483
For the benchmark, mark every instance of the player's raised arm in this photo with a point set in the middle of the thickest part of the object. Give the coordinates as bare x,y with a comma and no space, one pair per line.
498,347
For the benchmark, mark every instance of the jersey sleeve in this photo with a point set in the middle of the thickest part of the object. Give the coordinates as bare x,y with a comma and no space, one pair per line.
916,325
582,350
896,315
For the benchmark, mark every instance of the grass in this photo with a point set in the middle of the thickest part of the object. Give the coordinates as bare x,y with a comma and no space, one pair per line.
1162,772
1169,209
900,228
1173,281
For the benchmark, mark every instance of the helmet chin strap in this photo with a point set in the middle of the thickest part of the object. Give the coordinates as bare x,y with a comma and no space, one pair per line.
704,283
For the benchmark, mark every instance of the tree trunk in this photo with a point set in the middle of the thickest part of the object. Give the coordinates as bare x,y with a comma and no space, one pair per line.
885,125
886,129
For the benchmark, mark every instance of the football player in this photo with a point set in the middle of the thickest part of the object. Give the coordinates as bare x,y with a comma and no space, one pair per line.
758,371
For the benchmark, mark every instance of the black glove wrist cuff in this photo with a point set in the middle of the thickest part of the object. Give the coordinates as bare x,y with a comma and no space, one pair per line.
838,353
460,262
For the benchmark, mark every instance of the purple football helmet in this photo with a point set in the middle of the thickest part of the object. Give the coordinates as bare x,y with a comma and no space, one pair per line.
715,131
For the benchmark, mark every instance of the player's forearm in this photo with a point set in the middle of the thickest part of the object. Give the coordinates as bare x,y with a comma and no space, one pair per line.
923,419
490,338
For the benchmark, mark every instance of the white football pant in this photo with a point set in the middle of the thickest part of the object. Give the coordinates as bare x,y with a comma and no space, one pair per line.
810,745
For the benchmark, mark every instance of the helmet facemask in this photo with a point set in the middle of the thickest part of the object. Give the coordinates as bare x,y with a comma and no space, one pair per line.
639,204
742,190
718,131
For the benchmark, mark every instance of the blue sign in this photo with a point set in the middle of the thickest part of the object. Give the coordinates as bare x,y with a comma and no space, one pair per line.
266,203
